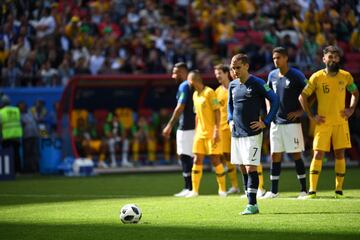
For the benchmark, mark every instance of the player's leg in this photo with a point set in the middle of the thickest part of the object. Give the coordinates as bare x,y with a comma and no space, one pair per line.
245,180
275,170
341,141
276,148
300,171
199,151
315,170
321,144
251,154
252,188
215,150
220,174
196,174
261,190
231,171
184,145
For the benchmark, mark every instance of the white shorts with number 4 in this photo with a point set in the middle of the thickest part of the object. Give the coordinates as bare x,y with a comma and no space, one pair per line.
286,138
246,150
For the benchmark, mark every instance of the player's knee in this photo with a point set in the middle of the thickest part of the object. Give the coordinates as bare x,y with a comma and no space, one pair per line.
339,154
318,155
276,157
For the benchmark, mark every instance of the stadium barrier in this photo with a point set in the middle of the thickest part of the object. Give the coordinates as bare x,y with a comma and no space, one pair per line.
7,171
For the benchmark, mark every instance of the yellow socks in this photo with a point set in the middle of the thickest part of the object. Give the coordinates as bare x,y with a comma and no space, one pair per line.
232,175
261,177
315,169
220,177
196,175
340,169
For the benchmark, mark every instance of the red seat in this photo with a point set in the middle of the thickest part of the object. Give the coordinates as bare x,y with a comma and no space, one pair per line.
344,46
239,35
352,66
352,57
100,115
242,25
257,37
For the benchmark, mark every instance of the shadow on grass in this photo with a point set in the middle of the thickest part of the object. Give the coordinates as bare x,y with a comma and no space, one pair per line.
48,189
310,213
147,231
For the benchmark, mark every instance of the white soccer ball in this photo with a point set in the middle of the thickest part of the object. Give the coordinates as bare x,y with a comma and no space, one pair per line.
130,213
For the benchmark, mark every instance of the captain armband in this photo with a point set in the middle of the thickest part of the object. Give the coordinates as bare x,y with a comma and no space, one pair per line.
351,87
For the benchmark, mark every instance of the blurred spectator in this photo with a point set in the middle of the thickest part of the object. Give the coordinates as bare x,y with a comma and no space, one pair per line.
11,73
46,25
30,145
40,114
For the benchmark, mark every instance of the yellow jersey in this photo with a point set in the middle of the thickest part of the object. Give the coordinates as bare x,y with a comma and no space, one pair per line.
330,93
222,95
205,103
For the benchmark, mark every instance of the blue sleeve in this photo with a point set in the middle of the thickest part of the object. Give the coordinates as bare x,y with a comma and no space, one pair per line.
183,93
273,99
274,106
230,105
269,80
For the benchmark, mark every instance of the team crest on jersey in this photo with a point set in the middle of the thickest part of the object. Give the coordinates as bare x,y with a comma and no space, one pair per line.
248,92
287,83
341,85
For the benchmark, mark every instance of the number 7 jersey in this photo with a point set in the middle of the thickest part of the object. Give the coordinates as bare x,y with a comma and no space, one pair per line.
330,92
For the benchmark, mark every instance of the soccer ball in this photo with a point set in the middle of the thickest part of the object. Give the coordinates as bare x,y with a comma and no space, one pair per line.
130,213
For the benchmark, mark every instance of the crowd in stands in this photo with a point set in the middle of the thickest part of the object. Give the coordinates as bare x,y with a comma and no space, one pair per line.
45,42
303,27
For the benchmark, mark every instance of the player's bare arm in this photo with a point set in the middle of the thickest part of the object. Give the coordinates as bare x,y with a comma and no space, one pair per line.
216,136
175,116
347,112
303,99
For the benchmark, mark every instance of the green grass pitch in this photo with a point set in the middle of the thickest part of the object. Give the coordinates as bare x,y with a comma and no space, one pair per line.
55,207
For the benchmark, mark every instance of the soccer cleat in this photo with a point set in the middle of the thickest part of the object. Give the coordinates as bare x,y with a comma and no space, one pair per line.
250,209
309,196
302,195
270,195
339,196
233,190
192,194
182,193
260,193
222,194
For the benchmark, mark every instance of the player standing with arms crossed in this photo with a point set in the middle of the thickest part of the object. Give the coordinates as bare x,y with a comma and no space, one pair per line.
285,131
330,86
246,95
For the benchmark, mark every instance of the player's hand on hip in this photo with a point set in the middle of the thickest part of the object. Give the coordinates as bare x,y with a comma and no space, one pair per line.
318,119
347,112
257,125
166,131
292,116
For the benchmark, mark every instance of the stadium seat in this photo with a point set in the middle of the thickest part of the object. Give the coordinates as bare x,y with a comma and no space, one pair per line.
352,57
344,46
257,37
242,25
239,36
